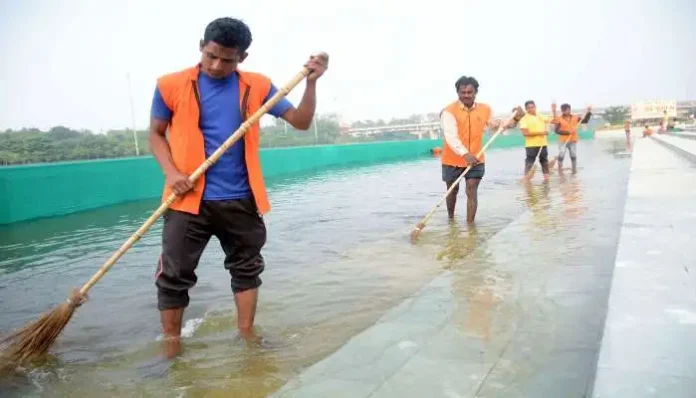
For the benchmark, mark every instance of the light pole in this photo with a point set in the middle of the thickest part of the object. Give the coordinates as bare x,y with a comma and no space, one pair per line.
135,133
316,132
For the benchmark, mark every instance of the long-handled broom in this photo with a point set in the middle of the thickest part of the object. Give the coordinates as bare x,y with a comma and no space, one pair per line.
419,227
36,338
532,170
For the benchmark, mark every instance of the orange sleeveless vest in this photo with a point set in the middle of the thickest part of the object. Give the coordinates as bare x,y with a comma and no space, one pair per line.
180,92
471,124
568,126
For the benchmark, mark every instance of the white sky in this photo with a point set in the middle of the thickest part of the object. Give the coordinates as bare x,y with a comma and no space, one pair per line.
65,62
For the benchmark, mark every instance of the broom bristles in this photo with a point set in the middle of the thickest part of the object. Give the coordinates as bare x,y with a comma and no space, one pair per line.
531,172
416,231
552,163
35,339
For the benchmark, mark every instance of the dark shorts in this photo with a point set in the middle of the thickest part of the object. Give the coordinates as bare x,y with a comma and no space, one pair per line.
532,151
451,173
241,232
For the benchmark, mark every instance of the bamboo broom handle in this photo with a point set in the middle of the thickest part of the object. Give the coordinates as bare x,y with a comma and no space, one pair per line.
193,177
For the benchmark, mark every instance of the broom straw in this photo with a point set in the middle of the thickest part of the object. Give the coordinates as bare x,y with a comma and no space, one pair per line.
419,227
36,338
552,162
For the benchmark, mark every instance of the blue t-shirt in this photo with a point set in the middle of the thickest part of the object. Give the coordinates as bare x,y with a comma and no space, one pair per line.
220,118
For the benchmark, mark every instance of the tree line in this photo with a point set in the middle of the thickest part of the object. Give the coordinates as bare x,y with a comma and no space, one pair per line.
60,143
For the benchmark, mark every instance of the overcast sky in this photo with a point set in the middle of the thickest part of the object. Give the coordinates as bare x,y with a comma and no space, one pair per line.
64,62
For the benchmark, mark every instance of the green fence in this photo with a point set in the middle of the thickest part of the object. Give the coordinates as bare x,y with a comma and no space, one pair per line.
45,190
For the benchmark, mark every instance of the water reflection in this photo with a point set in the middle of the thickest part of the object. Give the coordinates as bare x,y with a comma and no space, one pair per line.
537,198
478,286
457,244
571,193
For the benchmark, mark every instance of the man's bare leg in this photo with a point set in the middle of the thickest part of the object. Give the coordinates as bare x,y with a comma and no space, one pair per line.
171,328
246,311
451,200
471,199
545,170
527,167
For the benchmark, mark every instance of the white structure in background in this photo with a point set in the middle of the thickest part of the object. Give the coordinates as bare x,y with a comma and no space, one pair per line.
653,109
430,130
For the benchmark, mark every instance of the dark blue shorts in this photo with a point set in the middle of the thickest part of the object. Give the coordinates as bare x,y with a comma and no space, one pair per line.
451,173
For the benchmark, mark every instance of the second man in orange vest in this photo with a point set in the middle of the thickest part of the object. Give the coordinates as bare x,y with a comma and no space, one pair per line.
463,123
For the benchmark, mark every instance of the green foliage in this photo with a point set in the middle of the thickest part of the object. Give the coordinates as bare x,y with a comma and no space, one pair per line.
63,144
616,114
31,145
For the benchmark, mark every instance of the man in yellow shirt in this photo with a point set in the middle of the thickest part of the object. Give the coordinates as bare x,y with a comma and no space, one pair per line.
533,128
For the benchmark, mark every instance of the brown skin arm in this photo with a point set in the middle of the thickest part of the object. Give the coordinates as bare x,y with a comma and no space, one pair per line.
160,150
301,117
518,114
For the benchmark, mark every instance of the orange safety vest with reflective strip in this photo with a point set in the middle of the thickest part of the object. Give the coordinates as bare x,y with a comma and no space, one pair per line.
181,94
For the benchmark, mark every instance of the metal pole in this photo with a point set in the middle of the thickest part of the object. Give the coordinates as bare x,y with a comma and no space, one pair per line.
135,133
316,134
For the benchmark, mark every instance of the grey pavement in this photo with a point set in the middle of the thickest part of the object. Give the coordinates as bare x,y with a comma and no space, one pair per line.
689,133
682,143
649,340
521,316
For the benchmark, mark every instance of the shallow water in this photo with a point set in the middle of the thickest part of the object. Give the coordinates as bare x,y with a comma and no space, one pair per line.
338,257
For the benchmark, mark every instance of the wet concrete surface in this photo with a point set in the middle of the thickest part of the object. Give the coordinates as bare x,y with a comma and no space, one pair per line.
516,309
682,143
521,315
648,345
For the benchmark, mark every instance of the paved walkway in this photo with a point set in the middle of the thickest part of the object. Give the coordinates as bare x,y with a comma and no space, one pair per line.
678,142
649,343
522,316
691,133
526,315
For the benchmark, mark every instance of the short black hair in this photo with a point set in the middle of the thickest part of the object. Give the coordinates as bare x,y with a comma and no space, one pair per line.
228,32
530,102
565,106
465,81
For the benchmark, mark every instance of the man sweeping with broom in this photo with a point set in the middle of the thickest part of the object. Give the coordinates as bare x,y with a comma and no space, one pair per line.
567,130
200,107
463,123
534,129
194,107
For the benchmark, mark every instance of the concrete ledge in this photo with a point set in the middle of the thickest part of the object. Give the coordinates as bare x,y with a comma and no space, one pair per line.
648,342
689,134
685,147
